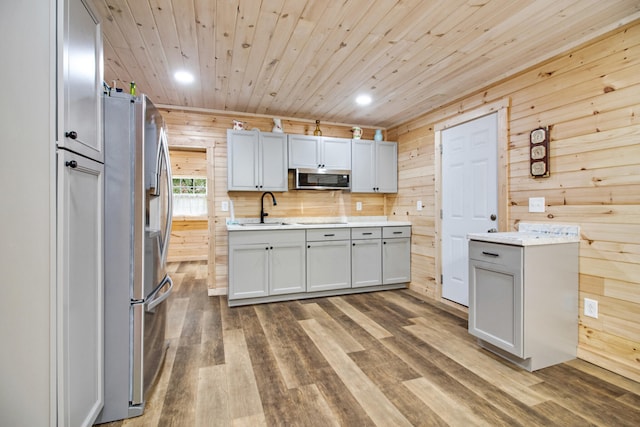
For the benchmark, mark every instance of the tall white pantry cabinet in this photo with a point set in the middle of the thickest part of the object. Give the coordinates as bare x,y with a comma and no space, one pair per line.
51,324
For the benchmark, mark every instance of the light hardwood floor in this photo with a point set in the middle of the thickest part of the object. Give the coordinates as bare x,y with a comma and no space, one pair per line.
386,359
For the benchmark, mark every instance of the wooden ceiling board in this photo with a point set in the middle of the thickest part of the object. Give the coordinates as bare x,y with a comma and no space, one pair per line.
308,59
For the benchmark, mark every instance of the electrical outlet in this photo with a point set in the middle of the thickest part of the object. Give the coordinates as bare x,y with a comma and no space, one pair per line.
419,205
225,206
536,204
591,308
358,206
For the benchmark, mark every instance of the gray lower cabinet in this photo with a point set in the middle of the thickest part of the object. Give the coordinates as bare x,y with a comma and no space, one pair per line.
396,254
523,301
263,263
328,259
366,257
278,265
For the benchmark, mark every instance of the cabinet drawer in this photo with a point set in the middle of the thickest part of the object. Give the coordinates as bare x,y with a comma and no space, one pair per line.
270,236
391,232
366,233
321,234
496,253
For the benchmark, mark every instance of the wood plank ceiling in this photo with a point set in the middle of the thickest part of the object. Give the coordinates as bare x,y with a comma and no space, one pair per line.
309,59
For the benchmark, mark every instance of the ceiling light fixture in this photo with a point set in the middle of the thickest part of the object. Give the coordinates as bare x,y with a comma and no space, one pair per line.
184,77
363,100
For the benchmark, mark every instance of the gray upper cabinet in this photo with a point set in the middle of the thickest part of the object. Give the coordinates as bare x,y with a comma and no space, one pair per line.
374,166
80,81
257,161
308,151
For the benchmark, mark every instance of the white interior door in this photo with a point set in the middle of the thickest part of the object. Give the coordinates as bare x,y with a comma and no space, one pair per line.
469,197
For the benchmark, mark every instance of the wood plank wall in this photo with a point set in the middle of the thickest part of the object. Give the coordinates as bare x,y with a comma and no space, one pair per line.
590,98
208,130
189,235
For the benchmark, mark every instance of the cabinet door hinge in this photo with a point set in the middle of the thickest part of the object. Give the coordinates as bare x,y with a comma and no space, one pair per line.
440,149
441,279
440,213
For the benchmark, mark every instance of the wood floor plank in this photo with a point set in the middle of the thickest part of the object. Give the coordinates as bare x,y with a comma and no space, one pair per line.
453,411
180,396
598,404
513,381
375,403
270,384
214,409
274,323
176,312
338,333
560,416
212,342
313,408
604,375
376,330
244,398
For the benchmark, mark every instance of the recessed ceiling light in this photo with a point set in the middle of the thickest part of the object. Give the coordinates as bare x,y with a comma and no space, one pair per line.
363,100
183,77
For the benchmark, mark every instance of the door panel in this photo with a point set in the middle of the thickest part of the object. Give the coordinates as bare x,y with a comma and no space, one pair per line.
80,331
287,269
469,197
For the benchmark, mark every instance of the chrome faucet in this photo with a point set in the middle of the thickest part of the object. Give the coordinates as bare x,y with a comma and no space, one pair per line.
262,212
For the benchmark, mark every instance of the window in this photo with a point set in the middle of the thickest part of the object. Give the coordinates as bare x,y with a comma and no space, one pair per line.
189,196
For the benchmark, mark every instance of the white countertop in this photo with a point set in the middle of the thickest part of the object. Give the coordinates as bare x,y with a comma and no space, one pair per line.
252,224
532,234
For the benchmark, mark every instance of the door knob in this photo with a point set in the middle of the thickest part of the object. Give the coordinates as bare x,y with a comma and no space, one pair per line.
492,230
73,134
493,217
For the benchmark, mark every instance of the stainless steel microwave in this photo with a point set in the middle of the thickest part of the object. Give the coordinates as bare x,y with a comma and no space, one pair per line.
322,179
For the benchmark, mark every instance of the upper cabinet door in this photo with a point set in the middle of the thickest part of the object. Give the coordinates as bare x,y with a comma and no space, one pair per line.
304,151
387,167
336,153
363,166
274,162
243,160
80,81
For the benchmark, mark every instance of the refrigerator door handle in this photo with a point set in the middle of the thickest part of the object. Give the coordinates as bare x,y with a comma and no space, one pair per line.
136,388
169,221
155,301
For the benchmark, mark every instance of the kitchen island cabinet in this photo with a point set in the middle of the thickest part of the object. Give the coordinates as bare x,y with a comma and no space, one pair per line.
523,301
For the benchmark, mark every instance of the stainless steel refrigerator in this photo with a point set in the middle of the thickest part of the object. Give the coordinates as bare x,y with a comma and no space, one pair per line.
138,205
